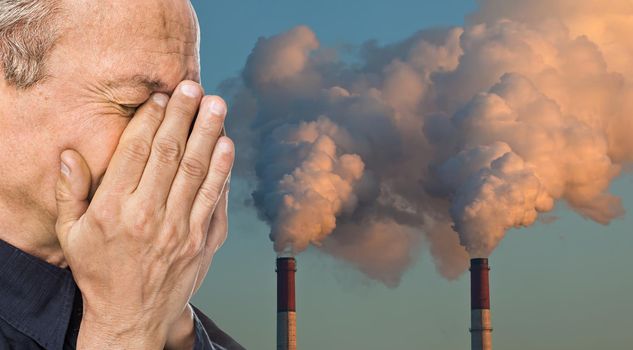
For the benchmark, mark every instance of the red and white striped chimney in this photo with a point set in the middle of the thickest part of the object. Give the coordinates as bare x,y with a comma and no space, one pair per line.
481,326
286,310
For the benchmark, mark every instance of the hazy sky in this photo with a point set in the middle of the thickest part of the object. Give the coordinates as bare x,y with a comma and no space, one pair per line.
564,285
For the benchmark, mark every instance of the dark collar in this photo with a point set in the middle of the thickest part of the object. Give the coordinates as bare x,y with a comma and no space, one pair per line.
36,298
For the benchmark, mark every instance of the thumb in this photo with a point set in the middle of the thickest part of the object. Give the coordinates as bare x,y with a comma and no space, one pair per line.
72,191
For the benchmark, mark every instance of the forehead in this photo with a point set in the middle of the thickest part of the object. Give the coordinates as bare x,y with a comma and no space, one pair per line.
112,40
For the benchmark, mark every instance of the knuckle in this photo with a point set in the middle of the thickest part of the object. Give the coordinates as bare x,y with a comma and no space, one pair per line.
171,241
143,220
168,149
209,194
210,126
104,214
62,195
193,168
137,149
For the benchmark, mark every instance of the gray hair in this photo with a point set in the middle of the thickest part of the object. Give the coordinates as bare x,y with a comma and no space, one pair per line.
28,32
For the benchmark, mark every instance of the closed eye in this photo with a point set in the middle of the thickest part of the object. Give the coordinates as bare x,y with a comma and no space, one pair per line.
131,106
129,109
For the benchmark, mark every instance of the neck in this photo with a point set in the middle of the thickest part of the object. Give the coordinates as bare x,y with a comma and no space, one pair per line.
32,230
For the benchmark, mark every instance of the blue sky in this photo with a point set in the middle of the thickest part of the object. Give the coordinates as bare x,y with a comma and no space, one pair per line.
564,285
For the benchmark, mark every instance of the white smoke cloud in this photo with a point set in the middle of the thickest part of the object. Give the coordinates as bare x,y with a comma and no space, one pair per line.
448,138
307,200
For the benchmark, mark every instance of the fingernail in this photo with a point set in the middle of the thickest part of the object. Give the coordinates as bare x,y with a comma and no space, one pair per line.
190,90
217,108
65,169
160,99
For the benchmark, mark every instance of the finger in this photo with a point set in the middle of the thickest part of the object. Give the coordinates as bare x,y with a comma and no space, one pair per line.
169,143
71,192
129,159
209,193
195,162
217,230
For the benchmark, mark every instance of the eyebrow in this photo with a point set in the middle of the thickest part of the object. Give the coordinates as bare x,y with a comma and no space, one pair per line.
149,83
139,80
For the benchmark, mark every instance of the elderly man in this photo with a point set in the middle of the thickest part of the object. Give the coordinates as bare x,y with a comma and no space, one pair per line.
113,176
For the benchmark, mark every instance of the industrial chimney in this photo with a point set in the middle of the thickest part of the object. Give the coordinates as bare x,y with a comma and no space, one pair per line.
481,327
286,310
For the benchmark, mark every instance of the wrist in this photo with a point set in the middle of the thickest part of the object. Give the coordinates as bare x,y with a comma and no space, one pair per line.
98,332
181,335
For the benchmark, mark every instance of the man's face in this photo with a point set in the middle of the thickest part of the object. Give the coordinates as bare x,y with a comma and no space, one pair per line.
111,56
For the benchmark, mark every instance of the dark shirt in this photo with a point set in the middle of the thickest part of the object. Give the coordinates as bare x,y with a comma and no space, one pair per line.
41,307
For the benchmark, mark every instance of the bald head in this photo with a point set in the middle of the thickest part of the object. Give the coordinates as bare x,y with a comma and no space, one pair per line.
29,29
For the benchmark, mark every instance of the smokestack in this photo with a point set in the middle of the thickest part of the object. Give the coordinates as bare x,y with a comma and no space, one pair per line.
481,327
286,310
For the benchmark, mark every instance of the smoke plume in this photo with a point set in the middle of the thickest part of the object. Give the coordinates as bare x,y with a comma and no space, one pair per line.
446,139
